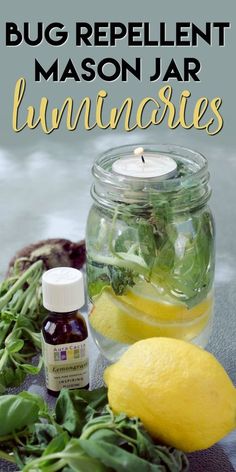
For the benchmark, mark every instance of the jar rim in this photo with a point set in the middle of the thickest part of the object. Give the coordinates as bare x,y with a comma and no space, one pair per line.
198,166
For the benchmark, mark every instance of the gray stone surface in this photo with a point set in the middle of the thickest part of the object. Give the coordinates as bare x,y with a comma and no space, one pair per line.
45,193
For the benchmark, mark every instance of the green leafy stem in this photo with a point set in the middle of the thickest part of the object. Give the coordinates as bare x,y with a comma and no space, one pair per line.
21,314
82,434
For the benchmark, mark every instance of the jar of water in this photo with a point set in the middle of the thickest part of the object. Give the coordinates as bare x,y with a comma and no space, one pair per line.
150,247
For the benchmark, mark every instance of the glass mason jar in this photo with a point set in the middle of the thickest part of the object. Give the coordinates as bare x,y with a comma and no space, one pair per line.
150,252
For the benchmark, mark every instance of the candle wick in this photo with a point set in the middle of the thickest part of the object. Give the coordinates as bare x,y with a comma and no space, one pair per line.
143,160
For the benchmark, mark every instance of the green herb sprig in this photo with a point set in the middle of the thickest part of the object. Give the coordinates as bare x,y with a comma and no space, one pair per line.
172,251
21,315
82,434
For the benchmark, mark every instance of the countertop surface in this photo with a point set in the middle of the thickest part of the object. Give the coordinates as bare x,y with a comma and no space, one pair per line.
45,193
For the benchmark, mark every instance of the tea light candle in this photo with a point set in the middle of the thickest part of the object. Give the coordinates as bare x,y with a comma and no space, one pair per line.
145,165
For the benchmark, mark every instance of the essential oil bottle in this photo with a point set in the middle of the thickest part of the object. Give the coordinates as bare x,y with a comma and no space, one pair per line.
64,332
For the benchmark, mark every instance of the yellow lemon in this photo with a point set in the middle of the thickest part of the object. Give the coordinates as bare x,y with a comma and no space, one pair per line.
116,319
180,392
145,297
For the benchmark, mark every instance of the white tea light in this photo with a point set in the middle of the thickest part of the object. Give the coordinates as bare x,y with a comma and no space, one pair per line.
145,165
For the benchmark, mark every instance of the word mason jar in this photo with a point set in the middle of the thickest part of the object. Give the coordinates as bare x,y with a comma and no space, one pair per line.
150,247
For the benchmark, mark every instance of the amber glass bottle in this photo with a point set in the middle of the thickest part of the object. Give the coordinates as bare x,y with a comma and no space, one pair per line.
64,332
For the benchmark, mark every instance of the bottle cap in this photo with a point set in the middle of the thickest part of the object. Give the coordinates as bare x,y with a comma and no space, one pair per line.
63,289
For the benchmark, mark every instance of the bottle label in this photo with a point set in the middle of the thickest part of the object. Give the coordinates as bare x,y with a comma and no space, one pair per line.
66,365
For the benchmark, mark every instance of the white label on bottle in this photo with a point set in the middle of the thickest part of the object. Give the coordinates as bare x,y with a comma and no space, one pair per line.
66,365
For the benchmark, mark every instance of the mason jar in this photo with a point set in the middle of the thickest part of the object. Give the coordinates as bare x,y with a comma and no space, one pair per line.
150,250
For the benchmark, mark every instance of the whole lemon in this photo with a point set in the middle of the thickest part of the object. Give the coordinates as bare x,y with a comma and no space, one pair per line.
180,392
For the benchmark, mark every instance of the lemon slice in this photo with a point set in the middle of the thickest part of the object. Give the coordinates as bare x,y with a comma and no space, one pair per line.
119,321
147,298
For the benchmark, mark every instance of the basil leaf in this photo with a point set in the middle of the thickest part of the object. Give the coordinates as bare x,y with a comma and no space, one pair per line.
147,244
127,239
76,458
72,457
16,412
117,458
32,369
42,434
98,278
15,346
58,443
75,407
11,375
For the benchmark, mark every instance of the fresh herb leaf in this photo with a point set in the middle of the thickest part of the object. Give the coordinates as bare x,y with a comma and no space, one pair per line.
173,251
98,278
83,435
117,277
117,458
72,457
127,239
21,314
147,244
74,408
120,279
17,412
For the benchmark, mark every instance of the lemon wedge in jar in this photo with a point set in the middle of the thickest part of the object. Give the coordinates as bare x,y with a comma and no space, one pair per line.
129,318
146,297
